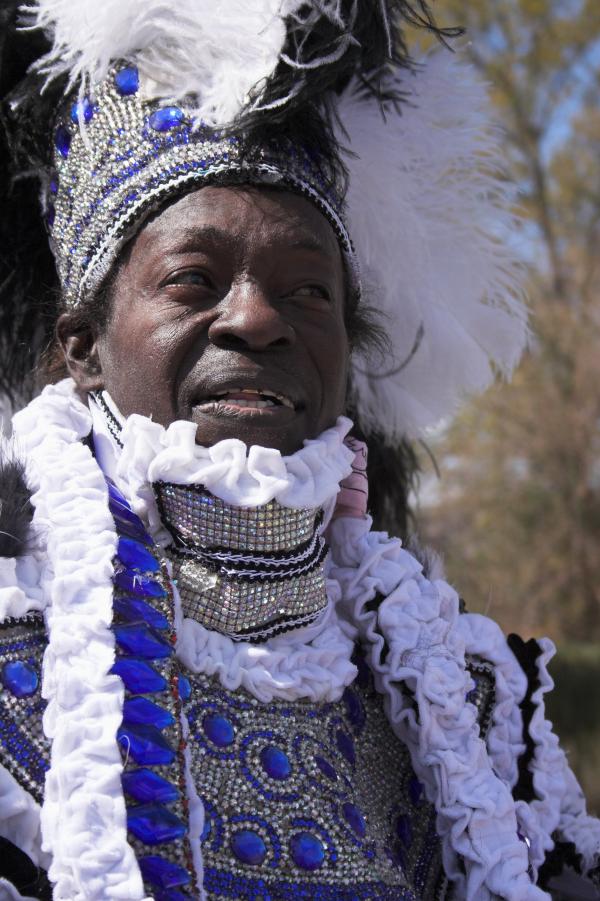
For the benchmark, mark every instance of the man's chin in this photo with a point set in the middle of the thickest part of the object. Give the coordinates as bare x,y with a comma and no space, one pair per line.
281,428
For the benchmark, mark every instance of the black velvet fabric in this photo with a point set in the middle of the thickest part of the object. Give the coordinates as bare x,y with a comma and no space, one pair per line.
527,653
17,868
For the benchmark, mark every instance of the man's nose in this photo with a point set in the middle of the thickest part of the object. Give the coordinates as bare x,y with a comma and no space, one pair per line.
249,319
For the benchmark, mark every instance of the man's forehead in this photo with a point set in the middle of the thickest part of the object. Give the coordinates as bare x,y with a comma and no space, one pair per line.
218,215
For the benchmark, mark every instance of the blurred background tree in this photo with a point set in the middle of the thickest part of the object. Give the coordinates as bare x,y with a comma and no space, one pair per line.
515,507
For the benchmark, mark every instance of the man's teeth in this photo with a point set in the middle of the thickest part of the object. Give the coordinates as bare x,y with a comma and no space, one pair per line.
258,399
238,402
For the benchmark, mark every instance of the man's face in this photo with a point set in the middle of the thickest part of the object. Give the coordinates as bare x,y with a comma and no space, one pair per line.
229,312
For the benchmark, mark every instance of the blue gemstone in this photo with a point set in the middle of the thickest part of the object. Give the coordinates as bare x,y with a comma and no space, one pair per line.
248,846
135,609
354,708
170,895
136,556
307,851
185,688
162,872
141,586
275,762
154,824
50,214
404,830
415,790
138,677
145,785
218,729
128,523
127,81
206,829
145,712
19,678
62,140
82,109
53,186
166,118
354,816
139,639
345,746
326,768
145,744
114,493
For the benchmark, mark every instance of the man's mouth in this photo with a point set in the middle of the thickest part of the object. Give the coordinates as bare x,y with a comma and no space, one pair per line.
239,399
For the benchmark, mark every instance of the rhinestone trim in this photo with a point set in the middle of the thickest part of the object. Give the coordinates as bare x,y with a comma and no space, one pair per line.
248,572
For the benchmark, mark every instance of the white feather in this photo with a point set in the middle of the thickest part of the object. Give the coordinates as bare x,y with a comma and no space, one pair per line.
215,50
433,221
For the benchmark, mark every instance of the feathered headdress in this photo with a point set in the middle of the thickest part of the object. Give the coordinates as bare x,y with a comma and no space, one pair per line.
318,96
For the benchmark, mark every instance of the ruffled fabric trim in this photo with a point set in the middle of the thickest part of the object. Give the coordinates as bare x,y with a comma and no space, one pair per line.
246,477
9,893
311,663
20,820
485,639
559,804
20,586
83,816
413,639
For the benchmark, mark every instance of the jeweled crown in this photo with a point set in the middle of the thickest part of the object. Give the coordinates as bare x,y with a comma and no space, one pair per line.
118,156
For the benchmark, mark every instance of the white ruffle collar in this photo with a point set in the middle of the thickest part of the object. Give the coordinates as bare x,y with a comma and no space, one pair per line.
248,477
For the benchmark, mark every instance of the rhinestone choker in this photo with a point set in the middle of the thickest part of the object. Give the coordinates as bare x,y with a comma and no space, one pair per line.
248,572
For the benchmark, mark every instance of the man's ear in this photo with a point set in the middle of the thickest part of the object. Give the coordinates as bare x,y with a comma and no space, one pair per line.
80,346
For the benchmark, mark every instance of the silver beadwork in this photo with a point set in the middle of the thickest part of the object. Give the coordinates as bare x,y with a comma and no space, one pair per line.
248,572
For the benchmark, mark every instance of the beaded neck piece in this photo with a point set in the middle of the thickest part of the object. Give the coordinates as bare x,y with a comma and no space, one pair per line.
248,572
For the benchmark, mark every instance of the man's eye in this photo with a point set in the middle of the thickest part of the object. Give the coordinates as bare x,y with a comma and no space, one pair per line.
311,291
190,277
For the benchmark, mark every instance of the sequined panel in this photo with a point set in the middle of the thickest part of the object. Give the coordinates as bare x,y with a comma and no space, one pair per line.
309,800
200,518
24,749
248,572
246,609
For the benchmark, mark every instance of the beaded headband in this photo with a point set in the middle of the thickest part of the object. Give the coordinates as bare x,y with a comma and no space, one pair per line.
118,157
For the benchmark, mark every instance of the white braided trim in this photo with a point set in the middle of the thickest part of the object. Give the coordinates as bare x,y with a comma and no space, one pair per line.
418,622
83,816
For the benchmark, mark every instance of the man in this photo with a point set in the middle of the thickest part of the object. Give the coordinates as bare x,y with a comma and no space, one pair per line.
218,681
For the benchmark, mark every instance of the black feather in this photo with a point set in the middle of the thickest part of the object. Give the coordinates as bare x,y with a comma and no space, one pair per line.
28,278
15,508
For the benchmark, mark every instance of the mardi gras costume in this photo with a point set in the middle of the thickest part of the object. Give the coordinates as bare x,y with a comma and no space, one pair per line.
218,680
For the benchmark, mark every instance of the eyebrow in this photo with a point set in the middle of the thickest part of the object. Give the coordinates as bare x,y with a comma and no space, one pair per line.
195,238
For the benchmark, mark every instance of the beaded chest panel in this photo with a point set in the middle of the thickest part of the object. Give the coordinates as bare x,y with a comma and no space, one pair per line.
314,801
24,749
249,572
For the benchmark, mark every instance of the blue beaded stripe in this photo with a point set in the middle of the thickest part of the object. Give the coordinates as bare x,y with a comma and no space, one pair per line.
221,884
150,736
24,750
17,745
